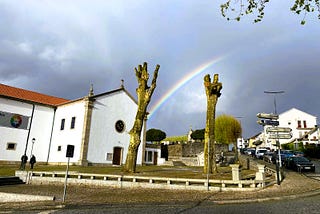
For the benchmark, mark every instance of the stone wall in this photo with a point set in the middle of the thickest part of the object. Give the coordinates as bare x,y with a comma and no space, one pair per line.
192,149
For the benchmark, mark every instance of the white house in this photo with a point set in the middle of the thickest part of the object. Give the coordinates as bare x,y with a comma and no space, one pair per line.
301,124
96,125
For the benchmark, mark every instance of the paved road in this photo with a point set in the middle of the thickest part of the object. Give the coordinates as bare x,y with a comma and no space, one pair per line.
315,175
308,205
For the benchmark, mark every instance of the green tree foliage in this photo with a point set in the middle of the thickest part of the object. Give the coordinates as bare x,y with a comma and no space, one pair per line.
155,135
228,130
182,138
244,7
198,134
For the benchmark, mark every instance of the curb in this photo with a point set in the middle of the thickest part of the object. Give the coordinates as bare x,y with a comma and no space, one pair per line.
12,197
276,198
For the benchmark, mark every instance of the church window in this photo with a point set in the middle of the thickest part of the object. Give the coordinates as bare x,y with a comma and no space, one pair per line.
62,124
73,122
109,156
120,126
11,146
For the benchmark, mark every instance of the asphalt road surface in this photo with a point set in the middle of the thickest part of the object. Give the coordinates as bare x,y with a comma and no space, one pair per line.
308,205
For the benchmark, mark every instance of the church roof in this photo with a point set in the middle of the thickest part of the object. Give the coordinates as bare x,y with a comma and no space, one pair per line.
31,96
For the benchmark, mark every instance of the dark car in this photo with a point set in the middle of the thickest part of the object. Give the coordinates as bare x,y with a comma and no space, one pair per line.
287,153
299,164
275,157
298,153
267,157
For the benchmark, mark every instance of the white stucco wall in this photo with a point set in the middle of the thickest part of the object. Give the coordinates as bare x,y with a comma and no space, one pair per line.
61,138
40,130
290,119
108,109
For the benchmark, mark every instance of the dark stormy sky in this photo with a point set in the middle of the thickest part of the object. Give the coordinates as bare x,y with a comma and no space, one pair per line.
60,47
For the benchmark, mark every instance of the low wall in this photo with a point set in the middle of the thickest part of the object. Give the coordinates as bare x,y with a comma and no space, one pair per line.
125,181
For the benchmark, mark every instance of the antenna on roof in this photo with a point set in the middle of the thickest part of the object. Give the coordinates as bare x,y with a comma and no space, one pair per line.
91,93
122,83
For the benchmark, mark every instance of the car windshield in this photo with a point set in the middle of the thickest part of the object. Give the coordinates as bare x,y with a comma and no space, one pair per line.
300,159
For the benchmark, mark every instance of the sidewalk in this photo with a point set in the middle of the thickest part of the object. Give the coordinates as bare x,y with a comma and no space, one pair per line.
294,185
15,197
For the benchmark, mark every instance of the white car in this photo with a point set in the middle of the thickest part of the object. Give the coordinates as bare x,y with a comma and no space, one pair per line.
260,153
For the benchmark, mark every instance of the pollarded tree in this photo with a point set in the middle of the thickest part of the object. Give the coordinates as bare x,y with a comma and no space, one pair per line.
213,93
245,7
155,135
144,93
228,130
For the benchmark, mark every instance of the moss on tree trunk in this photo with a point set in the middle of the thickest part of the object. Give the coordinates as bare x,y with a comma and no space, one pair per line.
213,93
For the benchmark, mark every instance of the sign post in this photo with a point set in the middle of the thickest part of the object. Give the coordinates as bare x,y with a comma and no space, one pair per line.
69,154
272,120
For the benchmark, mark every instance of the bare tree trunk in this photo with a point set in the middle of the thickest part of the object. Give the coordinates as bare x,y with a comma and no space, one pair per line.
144,93
213,93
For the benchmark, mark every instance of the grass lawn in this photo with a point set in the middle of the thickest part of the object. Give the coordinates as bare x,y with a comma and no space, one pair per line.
155,171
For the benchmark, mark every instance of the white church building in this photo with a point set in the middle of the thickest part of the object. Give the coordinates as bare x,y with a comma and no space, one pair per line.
97,126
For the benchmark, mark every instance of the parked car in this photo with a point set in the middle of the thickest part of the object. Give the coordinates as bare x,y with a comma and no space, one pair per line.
249,151
298,153
275,157
260,152
299,164
287,153
267,157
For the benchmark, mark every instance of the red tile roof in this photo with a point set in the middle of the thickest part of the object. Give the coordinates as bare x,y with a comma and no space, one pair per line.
22,94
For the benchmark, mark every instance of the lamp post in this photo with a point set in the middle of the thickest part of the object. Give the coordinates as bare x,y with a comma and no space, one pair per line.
274,99
33,141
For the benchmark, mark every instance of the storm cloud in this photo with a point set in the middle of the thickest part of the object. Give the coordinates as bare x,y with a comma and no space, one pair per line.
61,47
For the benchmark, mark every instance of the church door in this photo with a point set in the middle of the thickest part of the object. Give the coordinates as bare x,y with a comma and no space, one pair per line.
117,154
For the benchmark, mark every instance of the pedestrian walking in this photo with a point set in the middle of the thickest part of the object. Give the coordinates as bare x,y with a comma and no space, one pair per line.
24,159
32,161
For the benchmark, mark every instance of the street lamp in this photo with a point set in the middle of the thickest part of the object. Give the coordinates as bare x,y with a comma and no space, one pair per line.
33,141
274,100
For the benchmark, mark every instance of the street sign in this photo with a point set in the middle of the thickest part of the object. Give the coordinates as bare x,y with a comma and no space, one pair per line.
268,122
268,116
280,136
279,129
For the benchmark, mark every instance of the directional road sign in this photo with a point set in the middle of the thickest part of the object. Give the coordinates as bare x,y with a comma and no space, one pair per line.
279,129
280,136
268,122
268,116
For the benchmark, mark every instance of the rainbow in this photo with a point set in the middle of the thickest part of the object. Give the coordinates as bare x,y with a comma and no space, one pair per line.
181,83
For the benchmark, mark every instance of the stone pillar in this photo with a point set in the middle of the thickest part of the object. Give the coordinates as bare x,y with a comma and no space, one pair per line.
235,172
86,128
260,175
144,139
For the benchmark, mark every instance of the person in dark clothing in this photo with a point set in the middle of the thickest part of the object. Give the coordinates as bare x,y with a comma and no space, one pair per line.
32,161
24,159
